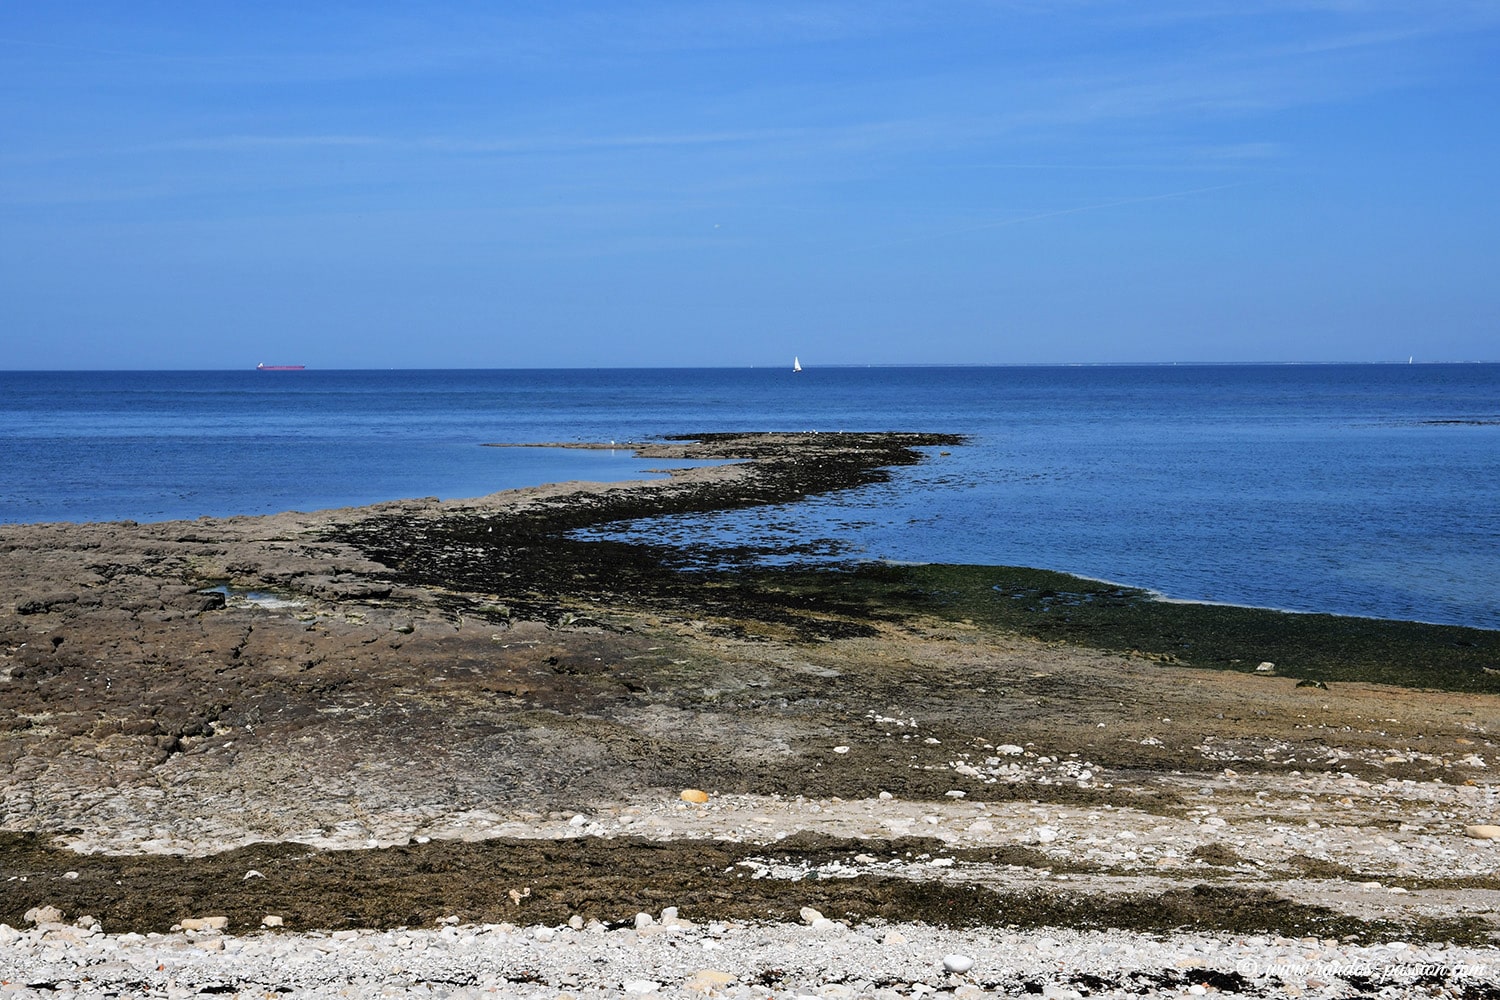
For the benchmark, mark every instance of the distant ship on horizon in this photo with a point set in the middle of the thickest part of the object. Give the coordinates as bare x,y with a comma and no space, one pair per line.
263,367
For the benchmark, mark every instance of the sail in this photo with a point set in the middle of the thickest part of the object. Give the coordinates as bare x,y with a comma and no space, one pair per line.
796,365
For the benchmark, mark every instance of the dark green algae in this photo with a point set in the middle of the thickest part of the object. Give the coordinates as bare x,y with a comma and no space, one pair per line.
530,564
417,885
1061,608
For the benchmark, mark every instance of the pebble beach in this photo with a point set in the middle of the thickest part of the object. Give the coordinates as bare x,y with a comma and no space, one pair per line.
666,956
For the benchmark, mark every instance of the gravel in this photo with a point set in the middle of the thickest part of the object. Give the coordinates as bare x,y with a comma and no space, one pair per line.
663,956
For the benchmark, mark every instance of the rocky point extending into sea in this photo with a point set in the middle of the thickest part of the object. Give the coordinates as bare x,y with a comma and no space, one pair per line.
456,748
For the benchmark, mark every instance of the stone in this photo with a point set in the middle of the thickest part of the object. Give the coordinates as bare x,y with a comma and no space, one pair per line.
697,795
958,964
204,923
640,987
707,981
198,603
44,603
810,915
44,915
271,920
1483,831
1265,667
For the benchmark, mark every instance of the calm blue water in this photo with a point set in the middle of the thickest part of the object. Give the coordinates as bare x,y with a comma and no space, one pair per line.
1357,489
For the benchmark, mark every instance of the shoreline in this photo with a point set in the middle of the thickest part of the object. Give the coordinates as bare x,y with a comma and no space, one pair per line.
465,702
682,448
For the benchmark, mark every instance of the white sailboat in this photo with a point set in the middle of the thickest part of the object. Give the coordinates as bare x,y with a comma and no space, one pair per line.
796,364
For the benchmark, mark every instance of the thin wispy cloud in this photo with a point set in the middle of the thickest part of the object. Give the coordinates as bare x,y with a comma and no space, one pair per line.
567,143
1256,74
24,44
239,143
616,137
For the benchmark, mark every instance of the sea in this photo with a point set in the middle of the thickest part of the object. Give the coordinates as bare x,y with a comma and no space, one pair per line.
1367,490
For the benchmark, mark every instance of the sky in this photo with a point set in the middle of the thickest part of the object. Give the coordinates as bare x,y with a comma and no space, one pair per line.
522,184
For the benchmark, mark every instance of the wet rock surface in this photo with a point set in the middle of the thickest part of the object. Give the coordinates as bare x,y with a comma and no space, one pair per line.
389,716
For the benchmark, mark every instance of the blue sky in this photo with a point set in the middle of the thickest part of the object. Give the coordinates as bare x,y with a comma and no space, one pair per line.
381,184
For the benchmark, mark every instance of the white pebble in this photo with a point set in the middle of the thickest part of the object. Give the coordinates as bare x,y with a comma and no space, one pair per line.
958,963
44,915
204,923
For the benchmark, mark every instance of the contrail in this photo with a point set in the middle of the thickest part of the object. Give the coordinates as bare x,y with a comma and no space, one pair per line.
1001,223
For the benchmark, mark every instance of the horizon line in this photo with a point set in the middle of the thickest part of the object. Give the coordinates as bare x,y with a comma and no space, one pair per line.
304,369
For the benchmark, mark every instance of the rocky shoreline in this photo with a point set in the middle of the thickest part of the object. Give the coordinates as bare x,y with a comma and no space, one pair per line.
461,730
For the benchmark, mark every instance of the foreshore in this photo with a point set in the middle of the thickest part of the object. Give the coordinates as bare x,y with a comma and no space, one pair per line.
451,746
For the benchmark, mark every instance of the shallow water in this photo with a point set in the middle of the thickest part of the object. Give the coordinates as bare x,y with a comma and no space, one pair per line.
1358,489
